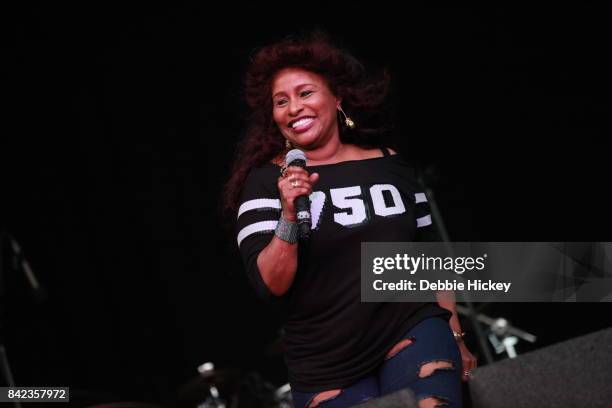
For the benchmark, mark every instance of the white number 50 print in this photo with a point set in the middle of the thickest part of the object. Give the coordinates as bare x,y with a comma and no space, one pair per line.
350,199
380,208
317,202
345,198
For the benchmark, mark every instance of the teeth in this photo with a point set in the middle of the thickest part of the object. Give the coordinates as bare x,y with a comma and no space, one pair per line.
301,122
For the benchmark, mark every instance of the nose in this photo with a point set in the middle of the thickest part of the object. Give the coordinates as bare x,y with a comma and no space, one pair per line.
295,106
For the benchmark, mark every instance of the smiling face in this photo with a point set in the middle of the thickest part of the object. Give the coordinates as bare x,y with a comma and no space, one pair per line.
304,108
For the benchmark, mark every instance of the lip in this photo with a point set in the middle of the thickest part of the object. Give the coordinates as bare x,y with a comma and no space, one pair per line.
290,124
302,128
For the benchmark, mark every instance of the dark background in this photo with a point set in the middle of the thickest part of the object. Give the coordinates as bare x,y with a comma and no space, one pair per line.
119,125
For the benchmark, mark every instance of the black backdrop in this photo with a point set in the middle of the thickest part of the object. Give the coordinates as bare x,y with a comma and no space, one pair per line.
119,126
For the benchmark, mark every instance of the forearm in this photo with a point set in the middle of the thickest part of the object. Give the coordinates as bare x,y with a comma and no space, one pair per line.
277,265
446,299
278,261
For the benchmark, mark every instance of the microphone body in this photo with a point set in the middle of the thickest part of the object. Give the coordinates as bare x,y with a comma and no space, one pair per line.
297,158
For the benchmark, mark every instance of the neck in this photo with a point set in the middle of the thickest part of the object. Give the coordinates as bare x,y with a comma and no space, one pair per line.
330,152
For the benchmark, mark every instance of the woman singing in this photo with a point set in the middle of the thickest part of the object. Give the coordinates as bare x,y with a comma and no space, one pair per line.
309,95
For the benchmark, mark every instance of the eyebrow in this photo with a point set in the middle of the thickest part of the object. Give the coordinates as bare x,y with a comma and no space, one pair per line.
297,87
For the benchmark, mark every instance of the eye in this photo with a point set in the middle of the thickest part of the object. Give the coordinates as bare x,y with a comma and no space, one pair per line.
280,102
305,94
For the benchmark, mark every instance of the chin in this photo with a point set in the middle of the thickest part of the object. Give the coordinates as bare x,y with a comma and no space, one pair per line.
308,141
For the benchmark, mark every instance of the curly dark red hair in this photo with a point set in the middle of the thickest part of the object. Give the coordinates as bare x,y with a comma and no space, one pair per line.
346,77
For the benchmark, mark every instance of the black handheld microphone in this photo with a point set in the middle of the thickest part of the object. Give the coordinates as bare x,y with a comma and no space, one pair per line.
297,158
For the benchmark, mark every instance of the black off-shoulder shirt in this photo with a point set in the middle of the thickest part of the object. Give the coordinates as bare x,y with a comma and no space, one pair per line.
331,339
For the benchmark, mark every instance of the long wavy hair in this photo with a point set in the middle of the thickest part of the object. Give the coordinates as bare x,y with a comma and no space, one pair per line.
362,99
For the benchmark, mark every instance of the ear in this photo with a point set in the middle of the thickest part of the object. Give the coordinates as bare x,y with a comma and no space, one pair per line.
338,102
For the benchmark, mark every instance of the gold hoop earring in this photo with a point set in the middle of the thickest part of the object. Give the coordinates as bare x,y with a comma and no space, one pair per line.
348,121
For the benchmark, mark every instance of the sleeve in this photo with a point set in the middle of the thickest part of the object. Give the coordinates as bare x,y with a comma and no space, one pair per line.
426,230
257,217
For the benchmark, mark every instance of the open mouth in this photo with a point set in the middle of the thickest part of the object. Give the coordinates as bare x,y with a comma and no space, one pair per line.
302,125
302,122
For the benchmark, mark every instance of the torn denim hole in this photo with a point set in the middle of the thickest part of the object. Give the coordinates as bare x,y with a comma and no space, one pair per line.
314,401
399,346
438,401
435,365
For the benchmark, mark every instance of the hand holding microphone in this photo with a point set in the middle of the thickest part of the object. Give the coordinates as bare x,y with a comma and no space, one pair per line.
295,187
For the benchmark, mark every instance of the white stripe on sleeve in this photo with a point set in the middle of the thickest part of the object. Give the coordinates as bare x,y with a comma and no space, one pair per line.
255,228
258,204
420,198
424,221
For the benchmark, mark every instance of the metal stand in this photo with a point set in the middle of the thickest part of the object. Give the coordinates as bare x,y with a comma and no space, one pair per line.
469,311
501,335
7,373
213,400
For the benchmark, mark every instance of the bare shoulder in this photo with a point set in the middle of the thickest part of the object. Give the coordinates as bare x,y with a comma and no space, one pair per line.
372,153
364,153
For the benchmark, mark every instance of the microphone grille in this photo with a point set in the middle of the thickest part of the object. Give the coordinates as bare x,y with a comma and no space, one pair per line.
293,155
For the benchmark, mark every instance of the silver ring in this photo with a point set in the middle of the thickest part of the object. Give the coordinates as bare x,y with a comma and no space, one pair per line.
283,171
294,183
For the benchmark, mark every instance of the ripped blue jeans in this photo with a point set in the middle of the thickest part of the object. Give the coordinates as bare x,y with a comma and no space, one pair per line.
432,341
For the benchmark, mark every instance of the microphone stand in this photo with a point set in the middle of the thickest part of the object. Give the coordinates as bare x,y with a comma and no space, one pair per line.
7,373
469,311
502,336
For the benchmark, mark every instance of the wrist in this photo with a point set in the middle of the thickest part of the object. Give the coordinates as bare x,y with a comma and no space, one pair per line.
286,230
458,335
288,216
